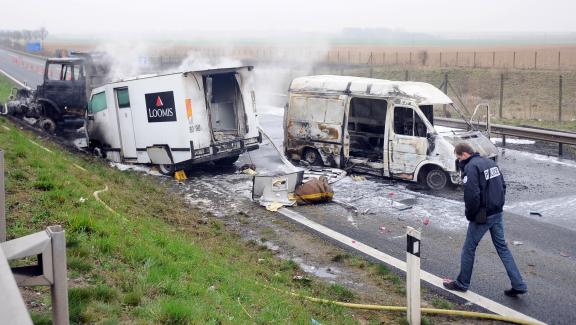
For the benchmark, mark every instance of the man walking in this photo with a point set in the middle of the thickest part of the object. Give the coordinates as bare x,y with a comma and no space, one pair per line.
484,189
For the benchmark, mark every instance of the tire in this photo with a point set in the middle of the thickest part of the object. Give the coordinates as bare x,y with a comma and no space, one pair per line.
312,157
226,161
166,169
47,125
435,179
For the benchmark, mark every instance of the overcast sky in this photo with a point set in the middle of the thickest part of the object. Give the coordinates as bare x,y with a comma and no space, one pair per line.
119,17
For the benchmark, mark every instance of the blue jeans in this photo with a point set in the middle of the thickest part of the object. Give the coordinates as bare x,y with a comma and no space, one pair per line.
473,237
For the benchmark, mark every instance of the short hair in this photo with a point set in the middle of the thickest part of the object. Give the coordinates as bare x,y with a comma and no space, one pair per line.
463,147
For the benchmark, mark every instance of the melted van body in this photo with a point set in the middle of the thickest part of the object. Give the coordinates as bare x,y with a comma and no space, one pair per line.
374,126
176,119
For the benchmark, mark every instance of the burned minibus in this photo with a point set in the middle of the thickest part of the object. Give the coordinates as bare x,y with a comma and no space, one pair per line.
175,120
374,126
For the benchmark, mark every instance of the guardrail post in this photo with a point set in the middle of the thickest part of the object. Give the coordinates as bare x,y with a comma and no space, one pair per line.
2,200
60,315
413,276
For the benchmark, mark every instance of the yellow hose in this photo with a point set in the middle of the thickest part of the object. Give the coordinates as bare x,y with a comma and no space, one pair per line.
433,311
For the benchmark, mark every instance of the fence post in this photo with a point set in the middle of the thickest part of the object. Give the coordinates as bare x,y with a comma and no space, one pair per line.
559,66
559,99
445,89
396,58
501,95
493,59
2,200
406,75
440,59
535,59
514,60
474,62
457,54
410,62
413,276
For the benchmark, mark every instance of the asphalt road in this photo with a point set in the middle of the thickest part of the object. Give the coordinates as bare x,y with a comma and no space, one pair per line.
543,245
26,69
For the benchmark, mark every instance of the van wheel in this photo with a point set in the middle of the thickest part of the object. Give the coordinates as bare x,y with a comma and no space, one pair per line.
312,157
435,178
166,169
226,161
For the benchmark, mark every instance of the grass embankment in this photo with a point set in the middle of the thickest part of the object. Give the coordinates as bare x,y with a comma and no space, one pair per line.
157,260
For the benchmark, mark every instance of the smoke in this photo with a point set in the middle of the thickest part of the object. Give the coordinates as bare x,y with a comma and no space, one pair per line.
275,65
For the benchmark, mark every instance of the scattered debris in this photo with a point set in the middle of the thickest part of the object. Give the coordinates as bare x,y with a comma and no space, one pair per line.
564,254
81,199
314,191
358,178
517,243
314,322
534,213
180,175
274,206
248,169
426,220
301,278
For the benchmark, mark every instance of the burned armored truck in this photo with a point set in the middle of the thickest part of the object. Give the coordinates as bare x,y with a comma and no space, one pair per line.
60,101
175,120
375,126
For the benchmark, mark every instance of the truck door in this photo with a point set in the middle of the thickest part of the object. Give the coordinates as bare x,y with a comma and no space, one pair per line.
407,142
125,124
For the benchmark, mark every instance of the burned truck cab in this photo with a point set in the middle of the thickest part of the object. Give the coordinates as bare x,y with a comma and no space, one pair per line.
374,126
61,100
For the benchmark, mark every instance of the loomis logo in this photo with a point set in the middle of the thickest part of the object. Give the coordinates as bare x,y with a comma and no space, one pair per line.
160,107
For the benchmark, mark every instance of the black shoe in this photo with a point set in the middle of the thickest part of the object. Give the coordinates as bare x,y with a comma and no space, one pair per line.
451,285
514,293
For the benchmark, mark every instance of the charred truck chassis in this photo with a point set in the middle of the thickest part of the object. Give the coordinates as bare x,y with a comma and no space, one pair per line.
61,100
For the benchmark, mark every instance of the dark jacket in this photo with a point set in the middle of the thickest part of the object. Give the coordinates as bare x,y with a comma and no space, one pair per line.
477,171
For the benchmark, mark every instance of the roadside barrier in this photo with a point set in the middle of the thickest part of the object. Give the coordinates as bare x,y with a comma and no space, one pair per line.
49,247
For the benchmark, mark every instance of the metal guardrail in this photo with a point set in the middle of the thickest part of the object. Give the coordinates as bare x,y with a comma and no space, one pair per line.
49,247
12,307
2,200
559,137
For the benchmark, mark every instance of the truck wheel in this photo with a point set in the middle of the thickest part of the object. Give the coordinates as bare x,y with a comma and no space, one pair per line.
226,161
47,125
435,179
166,169
312,157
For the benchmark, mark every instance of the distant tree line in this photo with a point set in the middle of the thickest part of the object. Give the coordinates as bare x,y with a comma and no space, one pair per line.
23,35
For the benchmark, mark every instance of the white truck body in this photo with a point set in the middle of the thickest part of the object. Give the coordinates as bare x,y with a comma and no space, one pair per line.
177,119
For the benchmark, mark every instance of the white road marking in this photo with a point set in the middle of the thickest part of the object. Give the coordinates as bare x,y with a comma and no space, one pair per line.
401,265
14,79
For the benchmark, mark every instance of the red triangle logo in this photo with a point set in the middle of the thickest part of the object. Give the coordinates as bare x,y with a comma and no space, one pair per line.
159,102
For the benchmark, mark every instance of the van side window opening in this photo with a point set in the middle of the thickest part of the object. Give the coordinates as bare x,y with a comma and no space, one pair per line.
366,124
122,98
408,122
97,103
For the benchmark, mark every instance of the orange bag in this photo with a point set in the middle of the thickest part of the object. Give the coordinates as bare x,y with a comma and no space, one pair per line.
316,190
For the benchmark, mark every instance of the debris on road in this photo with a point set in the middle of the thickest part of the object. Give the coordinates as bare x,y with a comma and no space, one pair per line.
534,213
314,191
426,220
517,243
564,254
358,178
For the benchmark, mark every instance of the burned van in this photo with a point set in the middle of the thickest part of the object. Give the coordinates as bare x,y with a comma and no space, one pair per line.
375,126
175,120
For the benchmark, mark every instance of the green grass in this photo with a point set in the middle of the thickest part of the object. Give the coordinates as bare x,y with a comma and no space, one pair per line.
5,87
155,261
